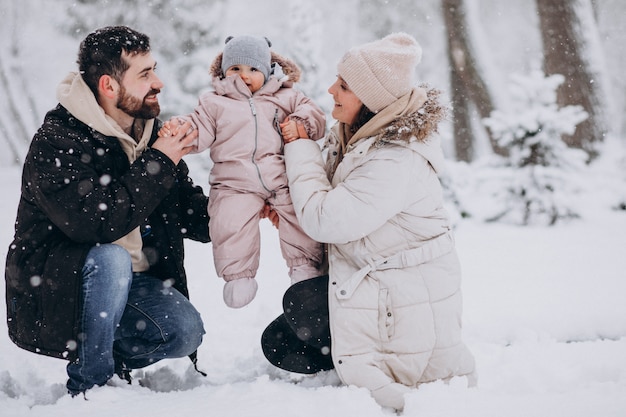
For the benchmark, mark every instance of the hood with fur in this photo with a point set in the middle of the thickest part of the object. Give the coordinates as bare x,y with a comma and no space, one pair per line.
412,121
417,130
419,124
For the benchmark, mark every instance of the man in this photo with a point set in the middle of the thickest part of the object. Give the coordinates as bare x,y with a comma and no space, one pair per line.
95,272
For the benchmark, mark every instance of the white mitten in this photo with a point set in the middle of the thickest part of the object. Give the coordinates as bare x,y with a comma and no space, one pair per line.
239,292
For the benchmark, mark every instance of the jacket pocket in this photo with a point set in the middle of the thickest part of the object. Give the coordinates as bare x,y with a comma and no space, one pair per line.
386,318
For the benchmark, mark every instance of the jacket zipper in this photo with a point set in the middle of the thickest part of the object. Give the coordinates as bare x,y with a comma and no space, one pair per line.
256,146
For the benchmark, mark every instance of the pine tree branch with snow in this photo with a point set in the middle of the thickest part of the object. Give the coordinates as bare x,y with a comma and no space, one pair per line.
535,182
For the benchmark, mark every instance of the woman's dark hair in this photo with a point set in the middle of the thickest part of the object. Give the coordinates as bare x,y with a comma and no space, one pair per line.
100,53
362,117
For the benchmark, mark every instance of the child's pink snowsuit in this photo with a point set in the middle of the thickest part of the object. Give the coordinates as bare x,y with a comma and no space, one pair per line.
242,132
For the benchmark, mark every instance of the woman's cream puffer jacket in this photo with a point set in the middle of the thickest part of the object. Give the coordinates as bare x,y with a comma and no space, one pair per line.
394,291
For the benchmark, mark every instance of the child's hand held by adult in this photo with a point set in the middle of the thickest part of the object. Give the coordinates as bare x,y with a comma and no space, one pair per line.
178,143
292,130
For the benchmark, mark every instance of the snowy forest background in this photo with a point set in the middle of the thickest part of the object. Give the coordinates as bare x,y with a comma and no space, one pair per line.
536,184
536,87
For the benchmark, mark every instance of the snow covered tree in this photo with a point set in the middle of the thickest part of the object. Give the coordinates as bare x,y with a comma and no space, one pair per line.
17,100
305,22
533,184
178,38
382,17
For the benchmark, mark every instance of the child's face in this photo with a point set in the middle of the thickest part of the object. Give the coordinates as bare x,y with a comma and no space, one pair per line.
253,77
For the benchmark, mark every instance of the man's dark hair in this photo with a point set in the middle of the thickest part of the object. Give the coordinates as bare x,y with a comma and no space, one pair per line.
100,53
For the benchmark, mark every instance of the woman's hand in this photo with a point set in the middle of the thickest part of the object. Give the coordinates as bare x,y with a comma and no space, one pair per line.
268,213
292,130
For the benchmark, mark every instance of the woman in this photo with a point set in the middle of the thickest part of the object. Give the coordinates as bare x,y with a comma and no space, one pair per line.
391,303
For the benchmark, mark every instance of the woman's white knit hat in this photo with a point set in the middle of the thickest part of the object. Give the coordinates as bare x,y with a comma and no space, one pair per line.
382,71
248,50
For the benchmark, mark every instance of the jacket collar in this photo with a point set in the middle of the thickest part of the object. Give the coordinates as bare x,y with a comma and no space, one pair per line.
74,94
234,87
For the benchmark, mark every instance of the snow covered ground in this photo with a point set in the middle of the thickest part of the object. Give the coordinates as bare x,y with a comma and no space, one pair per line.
545,316
545,312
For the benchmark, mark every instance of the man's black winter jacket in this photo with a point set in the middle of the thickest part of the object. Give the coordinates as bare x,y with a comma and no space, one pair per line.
78,190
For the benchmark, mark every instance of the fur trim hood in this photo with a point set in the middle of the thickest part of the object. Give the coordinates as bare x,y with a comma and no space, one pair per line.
290,69
419,124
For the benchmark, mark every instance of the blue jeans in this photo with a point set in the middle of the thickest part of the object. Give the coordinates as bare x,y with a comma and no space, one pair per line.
134,317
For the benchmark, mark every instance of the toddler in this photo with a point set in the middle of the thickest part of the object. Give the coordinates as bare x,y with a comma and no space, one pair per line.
241,122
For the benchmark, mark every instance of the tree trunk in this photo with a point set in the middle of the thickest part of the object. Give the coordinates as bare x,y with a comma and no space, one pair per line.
463,137
467,83
567,42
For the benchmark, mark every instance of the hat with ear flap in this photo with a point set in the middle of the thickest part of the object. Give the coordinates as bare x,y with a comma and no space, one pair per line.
382,71
248,50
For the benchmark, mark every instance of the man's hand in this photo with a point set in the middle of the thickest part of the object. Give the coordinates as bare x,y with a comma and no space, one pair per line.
178,144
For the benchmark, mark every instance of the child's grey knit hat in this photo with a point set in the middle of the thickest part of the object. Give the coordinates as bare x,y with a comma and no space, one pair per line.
248,50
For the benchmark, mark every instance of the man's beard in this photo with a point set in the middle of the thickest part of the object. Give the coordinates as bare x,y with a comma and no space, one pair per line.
138,108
